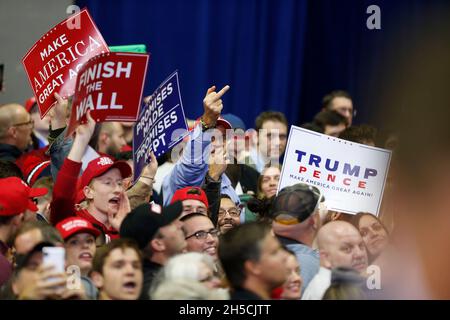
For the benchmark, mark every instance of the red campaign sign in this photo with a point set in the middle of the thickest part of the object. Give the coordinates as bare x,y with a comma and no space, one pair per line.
53,62
111,86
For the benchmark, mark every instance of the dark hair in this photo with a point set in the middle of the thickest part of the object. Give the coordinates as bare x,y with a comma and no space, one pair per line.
312,126
4,220
262,207
192,215
49,233
225,196
346,284
125,156
357,217
103,252
359,134
329,118
241,244
328,99
9,169
270,115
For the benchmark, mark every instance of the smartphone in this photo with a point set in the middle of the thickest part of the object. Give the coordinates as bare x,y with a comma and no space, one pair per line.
55,256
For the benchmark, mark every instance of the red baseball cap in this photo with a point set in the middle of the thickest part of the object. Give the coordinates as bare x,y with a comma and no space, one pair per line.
70,226
190,193
16,196
99,166
30,103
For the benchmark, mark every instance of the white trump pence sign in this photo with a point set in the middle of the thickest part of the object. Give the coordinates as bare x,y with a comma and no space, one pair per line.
350,175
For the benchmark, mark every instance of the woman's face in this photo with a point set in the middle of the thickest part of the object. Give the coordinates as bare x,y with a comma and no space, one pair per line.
373,233
269,182
292,289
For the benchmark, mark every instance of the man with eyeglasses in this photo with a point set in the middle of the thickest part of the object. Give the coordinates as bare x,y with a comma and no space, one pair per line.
229,214
16,127
200,234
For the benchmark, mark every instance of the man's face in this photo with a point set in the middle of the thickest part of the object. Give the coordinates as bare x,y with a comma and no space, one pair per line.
347,250
116,139
173,238
23,126
122,275
269,181
106,191
229,215
344,106
334,131
80,250
271,267
26,241
204,242
272,139
191,205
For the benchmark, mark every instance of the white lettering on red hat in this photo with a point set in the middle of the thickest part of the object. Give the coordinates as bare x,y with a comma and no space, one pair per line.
156,208
104,161
74,224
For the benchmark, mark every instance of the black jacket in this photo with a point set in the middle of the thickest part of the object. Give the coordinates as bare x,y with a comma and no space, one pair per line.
9,152
150,269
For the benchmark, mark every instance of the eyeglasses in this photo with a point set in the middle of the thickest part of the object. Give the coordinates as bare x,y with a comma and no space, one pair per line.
31,122
233,212
202,235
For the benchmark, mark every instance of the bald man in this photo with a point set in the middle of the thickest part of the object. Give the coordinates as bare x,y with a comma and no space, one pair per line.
16,127
111,138
340,245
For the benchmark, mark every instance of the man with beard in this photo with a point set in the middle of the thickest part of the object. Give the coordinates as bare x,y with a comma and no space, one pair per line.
340,245
229,214
111,138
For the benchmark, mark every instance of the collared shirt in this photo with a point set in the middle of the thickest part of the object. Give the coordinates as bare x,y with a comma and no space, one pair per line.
318,285
308,259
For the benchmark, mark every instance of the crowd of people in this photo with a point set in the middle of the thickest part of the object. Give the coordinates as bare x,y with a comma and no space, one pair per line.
202,222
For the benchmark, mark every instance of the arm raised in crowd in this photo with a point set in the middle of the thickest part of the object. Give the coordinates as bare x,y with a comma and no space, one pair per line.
142,190
191,168
65,189
59,146
213,179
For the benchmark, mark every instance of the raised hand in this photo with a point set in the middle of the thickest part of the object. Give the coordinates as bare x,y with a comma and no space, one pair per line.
83,135
115,220
213,105
58,113
218,161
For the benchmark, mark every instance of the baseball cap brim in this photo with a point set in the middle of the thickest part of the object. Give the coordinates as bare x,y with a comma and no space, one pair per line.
95,232
172,212
23,259
35,192
123,166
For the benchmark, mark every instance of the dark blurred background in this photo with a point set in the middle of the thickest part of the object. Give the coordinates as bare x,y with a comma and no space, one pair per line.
275,54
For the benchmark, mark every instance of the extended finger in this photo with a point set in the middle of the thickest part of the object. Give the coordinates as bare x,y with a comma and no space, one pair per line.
210,90
222,92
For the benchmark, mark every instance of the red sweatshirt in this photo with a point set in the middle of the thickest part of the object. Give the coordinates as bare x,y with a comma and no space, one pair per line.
63,202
